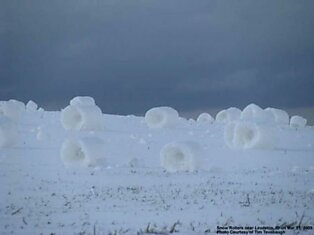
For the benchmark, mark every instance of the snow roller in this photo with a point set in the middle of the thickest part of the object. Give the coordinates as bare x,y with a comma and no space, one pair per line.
160,117
12,109
82,114
181,156
297,121
228,115
85,152
249,135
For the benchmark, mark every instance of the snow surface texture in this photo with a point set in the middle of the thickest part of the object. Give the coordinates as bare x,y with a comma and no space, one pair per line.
12,109
297,121
181,156
253,112
31,106
132,194
280,116
205,118
8,132
82,117
161,117
246,135
228,115
84,152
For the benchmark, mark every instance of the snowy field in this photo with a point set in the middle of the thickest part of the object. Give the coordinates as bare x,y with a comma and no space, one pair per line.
139,186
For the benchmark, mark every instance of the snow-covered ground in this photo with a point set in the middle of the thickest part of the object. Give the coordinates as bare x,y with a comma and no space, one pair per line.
132,194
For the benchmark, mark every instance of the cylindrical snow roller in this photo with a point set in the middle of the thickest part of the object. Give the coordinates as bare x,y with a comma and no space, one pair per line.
161,117
181,156
253,112
83,100
82,117
205,118
8,132
86,152
280,116
31,106
297,121
248,135
228,115
12,109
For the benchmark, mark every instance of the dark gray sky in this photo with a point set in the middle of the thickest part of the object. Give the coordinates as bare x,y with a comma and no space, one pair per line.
133,55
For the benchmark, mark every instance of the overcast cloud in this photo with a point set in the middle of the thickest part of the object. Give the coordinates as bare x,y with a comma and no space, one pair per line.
133,55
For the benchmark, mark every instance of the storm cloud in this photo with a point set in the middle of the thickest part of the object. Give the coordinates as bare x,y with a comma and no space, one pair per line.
133,55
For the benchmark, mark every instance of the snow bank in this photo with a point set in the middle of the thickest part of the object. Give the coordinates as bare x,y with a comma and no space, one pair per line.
253,112
84,152
12,109
83,100
280,116
247,135
31,106
297,121
205,118
82,117
160,117
8,132
180,156
228,115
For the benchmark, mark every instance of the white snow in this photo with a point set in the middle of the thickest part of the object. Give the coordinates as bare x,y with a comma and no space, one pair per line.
160,117
280,116
8,132
31,106
253,112
86,152
297,121
82,117
83,100
131,179
12,109
228,115
205,118
181,156
246,135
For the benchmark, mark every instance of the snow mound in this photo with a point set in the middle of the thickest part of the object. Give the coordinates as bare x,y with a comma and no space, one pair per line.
85,152
82,117
297,121
12,109
180,156
31,106
160,117
228,115
248,135
83,100
8,132
253,112
205,118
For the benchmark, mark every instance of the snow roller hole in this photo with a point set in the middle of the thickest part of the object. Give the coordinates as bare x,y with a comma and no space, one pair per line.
72,153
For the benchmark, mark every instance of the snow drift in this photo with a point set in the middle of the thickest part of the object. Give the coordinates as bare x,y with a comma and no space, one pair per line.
8,132
297,121
248,135
180,156
205,118
78,116
86,152
12,109
253,112
160,117
228,115
280,116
